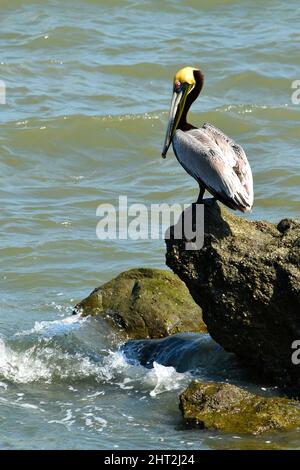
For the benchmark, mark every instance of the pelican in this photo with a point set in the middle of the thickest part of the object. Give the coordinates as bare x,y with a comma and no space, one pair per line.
216,161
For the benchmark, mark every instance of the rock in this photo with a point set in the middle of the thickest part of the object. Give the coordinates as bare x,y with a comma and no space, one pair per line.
145,303
184,352
228,408
246,279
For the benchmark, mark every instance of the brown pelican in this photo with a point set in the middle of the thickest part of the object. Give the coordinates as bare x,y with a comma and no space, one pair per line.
215,160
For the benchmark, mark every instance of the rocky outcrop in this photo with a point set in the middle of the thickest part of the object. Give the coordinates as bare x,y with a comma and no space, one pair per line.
145,303
246,279
226,407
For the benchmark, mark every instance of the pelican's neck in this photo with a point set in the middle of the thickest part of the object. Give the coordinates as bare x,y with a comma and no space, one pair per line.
192,96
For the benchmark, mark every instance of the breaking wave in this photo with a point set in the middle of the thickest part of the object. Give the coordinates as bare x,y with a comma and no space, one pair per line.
71,350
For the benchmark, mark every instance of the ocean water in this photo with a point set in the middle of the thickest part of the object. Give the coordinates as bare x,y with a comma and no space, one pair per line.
88,87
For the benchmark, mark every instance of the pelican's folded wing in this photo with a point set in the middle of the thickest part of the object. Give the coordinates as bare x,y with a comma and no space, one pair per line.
218,162
241,166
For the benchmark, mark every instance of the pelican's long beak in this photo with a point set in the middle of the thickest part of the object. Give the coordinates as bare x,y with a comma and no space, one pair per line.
177,106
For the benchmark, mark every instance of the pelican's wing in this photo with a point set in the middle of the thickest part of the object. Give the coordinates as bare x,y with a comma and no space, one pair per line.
218,162
241,167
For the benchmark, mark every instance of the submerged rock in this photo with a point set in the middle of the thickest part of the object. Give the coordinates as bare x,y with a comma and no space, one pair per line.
226,407
185,352
145,303
246,279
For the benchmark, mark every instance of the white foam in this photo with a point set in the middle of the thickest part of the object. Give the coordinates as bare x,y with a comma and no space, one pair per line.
164,379
45,362
21,367
48,361
66,421
30,406
97,423
48,329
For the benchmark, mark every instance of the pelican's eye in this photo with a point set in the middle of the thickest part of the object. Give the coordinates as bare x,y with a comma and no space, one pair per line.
177,86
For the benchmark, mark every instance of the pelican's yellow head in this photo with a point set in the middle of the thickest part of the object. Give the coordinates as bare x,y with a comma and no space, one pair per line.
184,83
185,75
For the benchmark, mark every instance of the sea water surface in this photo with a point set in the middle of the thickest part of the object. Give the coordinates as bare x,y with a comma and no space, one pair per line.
88,87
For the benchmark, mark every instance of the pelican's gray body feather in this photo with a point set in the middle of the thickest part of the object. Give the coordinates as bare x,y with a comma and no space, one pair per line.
218,163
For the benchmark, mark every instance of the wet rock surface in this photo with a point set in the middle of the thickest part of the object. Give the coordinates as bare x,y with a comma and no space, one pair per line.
186,352
145,303
225,407
246,279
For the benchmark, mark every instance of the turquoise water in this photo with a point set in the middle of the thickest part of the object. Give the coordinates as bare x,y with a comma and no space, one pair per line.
88,86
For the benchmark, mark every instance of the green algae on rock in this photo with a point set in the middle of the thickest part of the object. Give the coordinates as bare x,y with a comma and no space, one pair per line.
246,279
229,408
145,303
